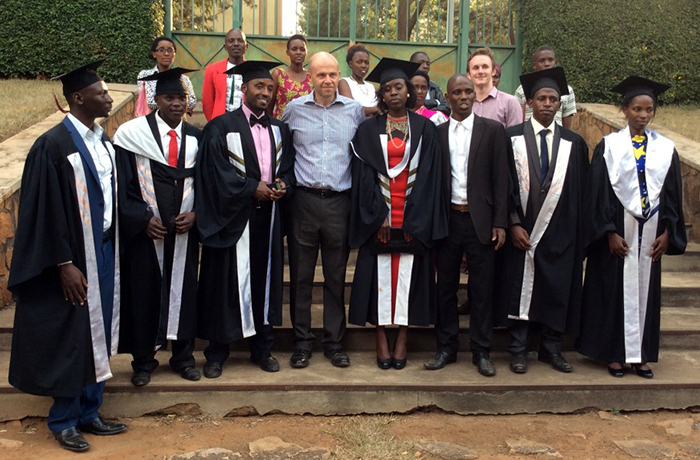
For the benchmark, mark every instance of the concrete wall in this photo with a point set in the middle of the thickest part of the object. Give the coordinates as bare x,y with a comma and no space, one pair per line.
13,152
594,121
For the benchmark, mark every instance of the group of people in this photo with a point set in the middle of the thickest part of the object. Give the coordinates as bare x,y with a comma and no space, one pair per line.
107,254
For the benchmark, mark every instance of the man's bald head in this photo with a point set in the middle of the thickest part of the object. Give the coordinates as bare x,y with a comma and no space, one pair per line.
459,78
325,75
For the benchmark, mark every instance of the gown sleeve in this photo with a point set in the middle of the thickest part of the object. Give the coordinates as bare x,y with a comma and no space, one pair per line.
672,214
43,237
222,196
599,201
134,213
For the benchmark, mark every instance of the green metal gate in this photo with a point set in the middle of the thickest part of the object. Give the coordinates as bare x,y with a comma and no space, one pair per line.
447,30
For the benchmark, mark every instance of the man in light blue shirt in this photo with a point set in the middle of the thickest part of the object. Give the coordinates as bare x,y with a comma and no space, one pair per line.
322,124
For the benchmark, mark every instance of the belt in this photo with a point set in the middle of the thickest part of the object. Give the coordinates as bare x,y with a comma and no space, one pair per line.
321,192
107,235
459,207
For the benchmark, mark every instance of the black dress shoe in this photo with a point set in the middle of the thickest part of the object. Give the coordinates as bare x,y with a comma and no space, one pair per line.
141,379
101,428
72,439
190,373
384,363
616,372
440,360
644,373
483,362
300,358
212,369
399,364
518,363
268,364
338,357
557,361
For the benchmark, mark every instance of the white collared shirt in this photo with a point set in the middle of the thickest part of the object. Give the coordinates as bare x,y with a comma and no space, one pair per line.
460,137
233,83
163,130
103,163
549,138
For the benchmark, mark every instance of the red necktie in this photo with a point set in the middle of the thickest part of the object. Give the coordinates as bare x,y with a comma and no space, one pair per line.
172,149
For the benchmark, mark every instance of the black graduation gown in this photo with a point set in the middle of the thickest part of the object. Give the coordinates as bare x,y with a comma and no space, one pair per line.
558,256
146,294
602,317
224,201
52,350
425,217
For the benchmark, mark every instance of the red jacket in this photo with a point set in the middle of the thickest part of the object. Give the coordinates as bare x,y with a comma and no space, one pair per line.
214,90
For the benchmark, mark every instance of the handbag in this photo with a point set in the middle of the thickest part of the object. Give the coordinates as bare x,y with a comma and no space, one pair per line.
397,244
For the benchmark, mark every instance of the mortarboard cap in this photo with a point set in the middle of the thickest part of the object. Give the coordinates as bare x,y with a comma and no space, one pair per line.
553,77
79,78
634,86
251,70
169,81
389,69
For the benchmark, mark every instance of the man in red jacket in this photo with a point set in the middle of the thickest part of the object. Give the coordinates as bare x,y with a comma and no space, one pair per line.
221,93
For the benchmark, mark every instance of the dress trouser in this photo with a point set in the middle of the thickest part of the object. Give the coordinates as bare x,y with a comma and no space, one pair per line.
462,238
263,340
69,412
181,357
550,341
318,221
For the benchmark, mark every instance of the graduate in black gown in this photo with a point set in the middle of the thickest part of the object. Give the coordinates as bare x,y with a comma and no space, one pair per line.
65,268
396,194
156,155
633,216
245,165
539,284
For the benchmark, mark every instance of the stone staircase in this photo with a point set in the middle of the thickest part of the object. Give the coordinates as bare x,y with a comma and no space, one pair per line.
363,388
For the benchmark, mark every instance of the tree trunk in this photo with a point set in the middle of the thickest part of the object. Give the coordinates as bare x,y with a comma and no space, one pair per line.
403,33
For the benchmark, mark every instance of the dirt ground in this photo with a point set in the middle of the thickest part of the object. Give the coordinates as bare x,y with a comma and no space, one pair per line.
574,436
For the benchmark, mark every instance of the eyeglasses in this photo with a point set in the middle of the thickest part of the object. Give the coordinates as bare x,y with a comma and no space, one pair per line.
166,50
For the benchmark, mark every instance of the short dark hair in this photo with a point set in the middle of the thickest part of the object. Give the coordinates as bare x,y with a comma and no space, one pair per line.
420,73
626,101
544,48
410,102
353,50
157,40
418,53
296,37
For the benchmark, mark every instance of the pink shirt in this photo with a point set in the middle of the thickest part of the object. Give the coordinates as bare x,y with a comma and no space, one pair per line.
263,149
501,107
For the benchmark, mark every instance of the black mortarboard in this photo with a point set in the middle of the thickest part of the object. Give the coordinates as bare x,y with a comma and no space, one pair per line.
389,69
634,86
168,81
79,78
250,70
553,77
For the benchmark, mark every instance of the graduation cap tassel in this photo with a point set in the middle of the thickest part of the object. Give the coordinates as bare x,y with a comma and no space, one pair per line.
59,105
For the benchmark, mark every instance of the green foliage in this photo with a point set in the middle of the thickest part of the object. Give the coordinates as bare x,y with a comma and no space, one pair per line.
601,42
49,37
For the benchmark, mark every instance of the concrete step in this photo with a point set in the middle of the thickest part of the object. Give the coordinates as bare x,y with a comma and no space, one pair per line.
680,330
688,262
322,389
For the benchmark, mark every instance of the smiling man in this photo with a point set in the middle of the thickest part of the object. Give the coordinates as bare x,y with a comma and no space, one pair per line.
540,283
156,155
244,167
322,124
65,269
221,91
476,178
490,102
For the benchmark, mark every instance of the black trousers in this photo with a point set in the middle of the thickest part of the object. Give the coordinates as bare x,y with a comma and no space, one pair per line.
462,238
550,340
318,222
180,359
263,340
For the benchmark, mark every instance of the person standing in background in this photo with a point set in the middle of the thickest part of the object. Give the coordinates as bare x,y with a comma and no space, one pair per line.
221,92
292,81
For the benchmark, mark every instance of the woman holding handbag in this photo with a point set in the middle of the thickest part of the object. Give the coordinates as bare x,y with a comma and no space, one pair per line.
396,213
163,51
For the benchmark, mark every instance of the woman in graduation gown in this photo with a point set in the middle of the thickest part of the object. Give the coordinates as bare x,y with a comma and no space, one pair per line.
395,196
634,215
